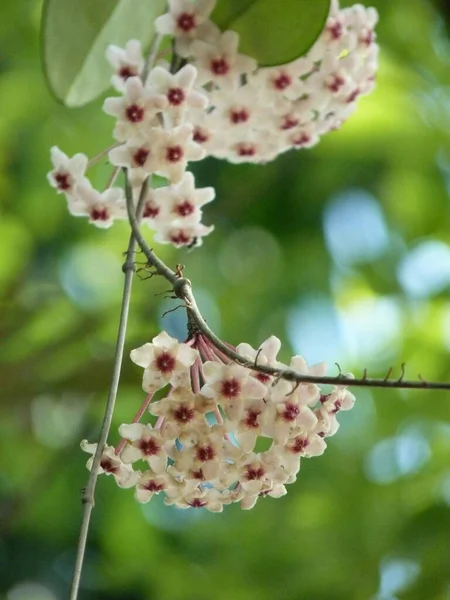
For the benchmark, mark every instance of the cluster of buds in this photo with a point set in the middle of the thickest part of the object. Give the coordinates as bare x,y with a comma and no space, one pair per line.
201,449
215,101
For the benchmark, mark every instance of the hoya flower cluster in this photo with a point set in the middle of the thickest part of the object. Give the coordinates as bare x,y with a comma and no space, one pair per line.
256,114
214,101
203,448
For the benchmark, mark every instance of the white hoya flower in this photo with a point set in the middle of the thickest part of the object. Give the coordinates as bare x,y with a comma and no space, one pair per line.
135,111
283,81
67,172
173,149
137,155
187,21
237,110
265,355
178,90
249,427
166,360
230,385
150,483
221,63
280,419
102,208
182,200
111,464
144,443
127,62
182,232
183,413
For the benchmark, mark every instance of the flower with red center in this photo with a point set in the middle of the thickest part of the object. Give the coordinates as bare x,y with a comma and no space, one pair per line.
150,484
186,21
178,91
111,465
290,411
165,361
230,385
134,111
173,149
183,414
220,62
101,208
127,62
144,443
67,172
205,453
201,135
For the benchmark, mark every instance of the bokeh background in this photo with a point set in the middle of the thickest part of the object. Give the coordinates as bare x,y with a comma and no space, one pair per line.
342,251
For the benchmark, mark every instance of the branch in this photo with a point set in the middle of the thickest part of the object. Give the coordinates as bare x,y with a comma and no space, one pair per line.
182,288
88,496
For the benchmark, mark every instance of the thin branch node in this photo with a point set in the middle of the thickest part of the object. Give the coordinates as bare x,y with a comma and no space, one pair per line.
400,379
364,374
339,369
257,356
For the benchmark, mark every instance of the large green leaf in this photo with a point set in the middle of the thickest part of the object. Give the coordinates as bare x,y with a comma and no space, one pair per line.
274,32
75,34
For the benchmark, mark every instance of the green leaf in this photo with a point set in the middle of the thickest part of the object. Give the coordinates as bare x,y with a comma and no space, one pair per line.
75,34
274,32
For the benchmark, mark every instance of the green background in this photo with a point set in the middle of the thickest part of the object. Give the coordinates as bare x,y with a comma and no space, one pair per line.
342,251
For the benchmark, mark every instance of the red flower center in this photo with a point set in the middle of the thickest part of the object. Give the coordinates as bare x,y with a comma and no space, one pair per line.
200,135
299,445
239,116
291,411
176,96
165,362
335,30
301,139
197,503
263,378
174,153
289,122
220,66
205,453
335,83
150,211
183,414
254,473
246,149
152,486
149,447
127,71
184,209
63,181
108,466
140,156
186,22
230,388
134,113
181,238
251,419
282,81
99,214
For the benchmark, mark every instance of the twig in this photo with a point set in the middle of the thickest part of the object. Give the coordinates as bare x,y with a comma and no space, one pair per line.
182,288
89,492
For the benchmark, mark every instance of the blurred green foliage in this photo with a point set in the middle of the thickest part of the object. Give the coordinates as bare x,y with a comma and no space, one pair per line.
342,251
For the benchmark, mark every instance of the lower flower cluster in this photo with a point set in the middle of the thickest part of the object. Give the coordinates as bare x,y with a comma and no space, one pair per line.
203,447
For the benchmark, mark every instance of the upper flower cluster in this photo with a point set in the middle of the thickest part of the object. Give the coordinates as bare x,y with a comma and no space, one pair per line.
217,103
203,450
256,114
